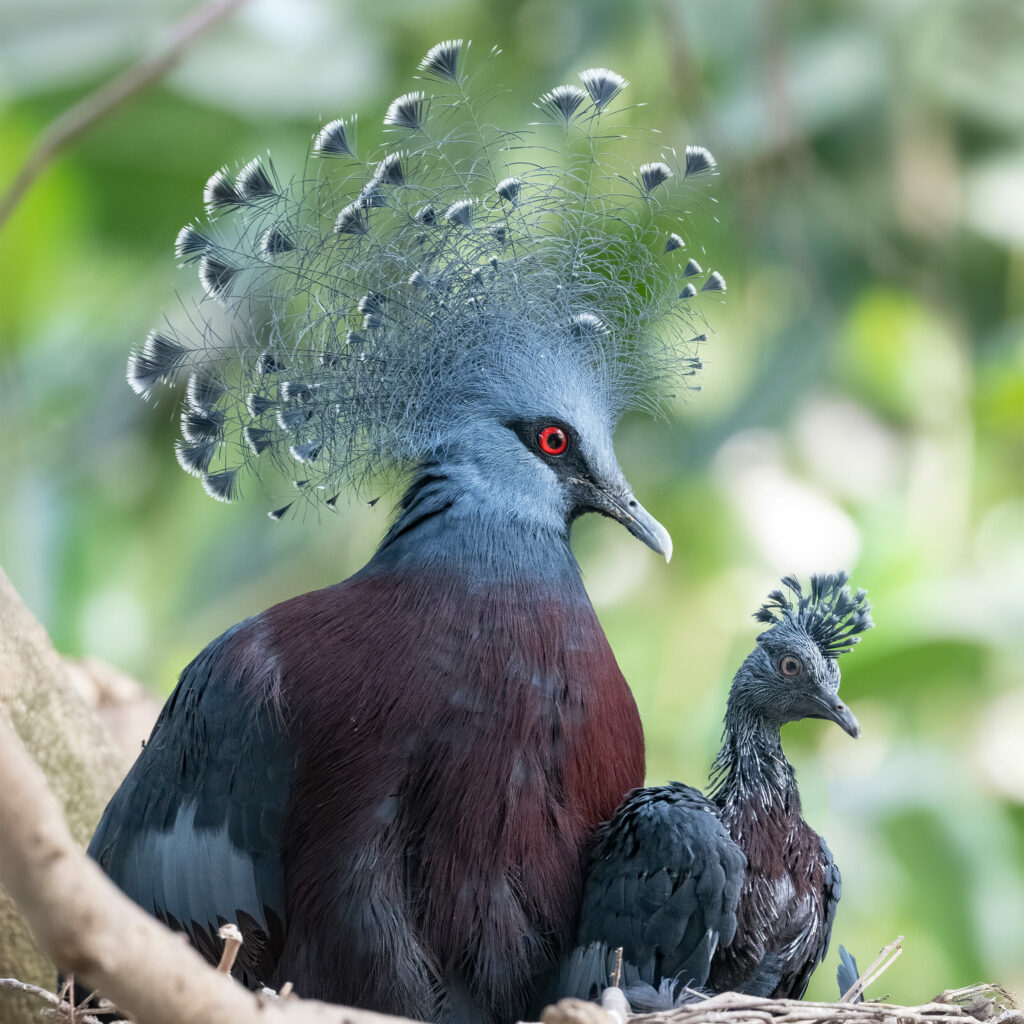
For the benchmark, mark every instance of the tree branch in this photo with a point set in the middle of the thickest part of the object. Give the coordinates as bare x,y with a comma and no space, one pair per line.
69,744
92,108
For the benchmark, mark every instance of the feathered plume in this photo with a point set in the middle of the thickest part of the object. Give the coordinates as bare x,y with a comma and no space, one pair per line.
830,615
353,319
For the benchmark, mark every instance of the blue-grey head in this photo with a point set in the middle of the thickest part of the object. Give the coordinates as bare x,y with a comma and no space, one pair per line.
475,305
793,673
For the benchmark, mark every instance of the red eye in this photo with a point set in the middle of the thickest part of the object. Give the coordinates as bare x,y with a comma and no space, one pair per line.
553,441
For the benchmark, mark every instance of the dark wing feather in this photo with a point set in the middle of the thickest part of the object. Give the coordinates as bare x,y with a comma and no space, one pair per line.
832,892
194,833
663,882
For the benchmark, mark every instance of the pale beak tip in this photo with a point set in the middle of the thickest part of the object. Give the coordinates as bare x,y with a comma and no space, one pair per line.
658,539
628,511
847,721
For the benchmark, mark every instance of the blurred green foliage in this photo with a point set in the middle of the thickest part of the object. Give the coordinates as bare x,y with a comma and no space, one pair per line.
864,401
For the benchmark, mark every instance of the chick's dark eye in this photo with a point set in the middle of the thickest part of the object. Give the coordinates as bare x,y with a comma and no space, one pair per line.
553,441
790,665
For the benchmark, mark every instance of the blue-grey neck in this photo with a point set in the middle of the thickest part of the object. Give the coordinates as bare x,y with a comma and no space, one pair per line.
442,525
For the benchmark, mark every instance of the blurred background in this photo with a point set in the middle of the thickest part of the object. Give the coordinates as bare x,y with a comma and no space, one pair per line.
863,400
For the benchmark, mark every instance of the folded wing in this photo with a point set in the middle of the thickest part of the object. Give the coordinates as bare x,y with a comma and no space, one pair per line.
194,833
663,883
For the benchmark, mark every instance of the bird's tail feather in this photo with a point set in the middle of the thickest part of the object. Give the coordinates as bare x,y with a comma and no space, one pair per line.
847,974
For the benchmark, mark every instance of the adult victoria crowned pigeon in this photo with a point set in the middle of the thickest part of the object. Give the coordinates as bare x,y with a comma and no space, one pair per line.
388,783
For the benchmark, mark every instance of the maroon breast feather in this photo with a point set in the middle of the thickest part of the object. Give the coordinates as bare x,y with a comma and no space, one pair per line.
452,780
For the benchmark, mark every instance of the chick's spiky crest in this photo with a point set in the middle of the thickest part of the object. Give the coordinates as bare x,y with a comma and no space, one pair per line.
354,318
829,613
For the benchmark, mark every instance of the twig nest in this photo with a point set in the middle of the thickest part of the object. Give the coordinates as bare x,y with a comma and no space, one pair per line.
574,1011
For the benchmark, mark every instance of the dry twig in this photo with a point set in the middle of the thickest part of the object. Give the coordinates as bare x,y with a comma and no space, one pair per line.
617,972
62,1009
92,108
232,944
732,1008
885,959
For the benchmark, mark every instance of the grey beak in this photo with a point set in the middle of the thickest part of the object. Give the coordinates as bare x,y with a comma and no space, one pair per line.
839,713
616,501
635,518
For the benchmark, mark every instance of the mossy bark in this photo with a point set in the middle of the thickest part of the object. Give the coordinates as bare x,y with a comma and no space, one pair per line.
70,744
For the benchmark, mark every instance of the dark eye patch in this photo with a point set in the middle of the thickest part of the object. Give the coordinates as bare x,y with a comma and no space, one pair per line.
567,462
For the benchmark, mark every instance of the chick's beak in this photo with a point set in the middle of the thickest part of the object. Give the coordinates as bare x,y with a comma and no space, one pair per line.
838,712
624,508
